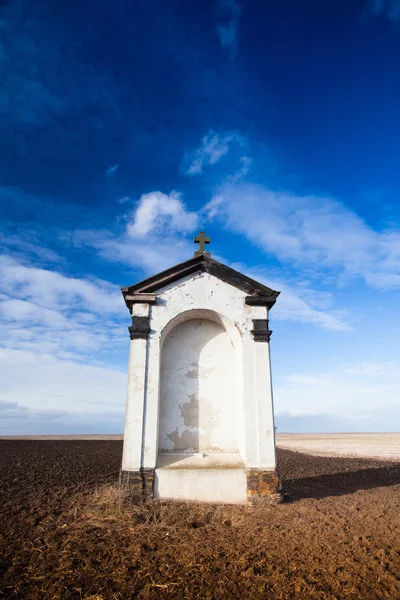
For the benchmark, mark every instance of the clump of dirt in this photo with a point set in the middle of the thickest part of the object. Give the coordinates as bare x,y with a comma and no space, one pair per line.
68,532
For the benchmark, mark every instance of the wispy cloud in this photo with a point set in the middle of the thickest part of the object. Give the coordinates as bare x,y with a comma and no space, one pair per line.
385,8
299,307
111,170
355,395
63,334
13,411
309,230
228,13
155,238
59,396
147,255
299,302
295,305
62,315
52,289
154,235
213,147
27,243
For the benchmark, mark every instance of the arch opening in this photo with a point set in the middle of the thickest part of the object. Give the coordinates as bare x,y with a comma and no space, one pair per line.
200,382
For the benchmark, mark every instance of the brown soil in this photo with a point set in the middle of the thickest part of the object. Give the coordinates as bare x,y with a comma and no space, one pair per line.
67,532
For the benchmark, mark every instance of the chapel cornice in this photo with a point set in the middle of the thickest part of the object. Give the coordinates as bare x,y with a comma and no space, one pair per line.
144,291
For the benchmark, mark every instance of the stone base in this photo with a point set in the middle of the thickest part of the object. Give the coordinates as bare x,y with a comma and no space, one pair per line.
263,487
212,478
139,482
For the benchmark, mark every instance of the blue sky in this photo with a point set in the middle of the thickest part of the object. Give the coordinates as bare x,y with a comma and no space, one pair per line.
127,127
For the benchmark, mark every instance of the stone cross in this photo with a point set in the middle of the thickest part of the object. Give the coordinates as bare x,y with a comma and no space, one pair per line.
201,240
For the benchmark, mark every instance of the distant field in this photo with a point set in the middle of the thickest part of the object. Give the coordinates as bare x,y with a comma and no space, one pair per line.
366,445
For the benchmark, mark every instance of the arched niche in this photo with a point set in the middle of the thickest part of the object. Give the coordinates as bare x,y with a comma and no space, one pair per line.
200,385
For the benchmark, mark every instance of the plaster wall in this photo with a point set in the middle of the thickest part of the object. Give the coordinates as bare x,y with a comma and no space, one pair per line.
134,416
198,391
203,478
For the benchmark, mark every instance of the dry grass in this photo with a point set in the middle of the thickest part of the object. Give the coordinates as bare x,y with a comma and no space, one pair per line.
117,504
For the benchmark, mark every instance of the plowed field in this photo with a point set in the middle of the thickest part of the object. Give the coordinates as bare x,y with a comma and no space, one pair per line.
67,532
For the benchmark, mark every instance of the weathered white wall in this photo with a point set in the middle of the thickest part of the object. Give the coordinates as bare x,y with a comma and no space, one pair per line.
201,296
135,405
198,390
204,478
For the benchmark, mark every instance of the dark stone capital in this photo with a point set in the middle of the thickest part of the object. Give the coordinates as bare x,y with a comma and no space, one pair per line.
261,332
140,328
267,301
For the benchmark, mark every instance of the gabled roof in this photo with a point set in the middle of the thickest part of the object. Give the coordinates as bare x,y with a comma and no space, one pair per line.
258,293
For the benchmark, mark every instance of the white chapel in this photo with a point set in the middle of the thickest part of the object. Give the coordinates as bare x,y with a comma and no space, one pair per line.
199,420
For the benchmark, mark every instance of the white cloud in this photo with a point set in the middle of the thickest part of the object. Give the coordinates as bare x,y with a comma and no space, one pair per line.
299,303
13,309
51,289
309,230
154,238
44,311
56,395
151,255
228,13
359,394
74,338
158,212
212,148
291,306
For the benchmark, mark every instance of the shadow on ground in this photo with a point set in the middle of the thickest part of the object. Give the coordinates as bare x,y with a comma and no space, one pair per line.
320,477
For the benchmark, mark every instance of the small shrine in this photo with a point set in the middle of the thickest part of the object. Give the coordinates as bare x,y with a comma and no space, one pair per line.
199,415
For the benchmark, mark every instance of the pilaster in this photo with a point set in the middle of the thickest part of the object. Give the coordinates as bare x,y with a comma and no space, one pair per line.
136,393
